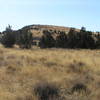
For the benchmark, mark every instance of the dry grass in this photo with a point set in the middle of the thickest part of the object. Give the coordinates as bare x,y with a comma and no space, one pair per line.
22,70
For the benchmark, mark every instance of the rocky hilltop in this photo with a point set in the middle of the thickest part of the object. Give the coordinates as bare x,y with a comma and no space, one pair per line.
37,29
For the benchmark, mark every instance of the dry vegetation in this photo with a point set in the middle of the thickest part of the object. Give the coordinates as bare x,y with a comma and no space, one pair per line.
75,73
37,29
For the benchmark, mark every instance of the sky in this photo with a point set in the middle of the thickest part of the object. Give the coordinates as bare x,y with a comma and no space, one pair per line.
69,13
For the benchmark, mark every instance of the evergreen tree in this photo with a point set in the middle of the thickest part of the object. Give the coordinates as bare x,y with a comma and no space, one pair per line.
61,40
73,38
25,39
87,40
47,40
8,38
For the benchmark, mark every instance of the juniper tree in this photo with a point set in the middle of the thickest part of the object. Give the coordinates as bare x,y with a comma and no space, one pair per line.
8,38
47,40
25,39
87,40
72,38
61,40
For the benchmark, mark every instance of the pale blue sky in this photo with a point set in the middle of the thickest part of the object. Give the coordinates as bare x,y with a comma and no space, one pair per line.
71,13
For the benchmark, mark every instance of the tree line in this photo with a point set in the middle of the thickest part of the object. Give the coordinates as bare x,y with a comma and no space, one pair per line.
23,38
73,39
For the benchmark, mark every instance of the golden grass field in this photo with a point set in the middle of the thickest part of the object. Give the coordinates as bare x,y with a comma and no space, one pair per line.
22,70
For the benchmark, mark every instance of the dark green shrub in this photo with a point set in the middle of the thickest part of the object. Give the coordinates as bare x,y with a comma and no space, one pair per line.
83,29
25,39
61,40
73,38
47,40
83,39
46,91
79,87
8,38
98,41
87,40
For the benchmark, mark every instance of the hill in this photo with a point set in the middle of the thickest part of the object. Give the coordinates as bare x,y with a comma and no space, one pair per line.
37,29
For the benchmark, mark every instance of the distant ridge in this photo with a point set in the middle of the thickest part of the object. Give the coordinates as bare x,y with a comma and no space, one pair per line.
52,27
37,29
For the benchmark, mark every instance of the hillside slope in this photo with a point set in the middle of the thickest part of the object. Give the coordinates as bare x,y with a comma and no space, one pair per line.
37,29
